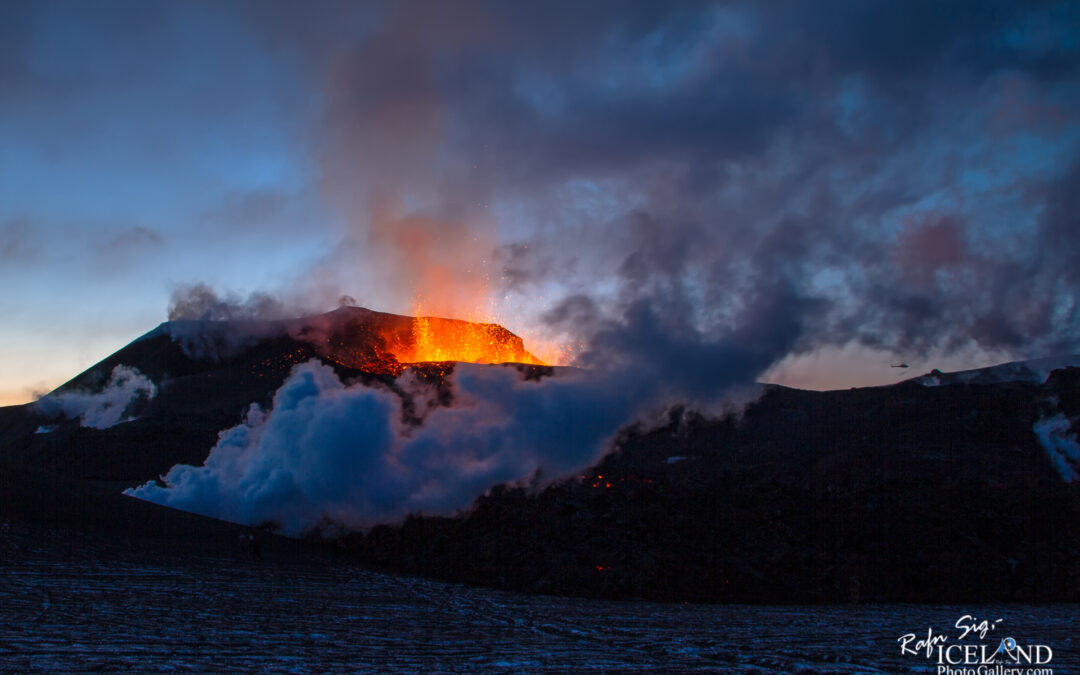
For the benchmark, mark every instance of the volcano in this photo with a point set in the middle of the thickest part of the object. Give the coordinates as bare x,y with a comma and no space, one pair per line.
935,489
208,372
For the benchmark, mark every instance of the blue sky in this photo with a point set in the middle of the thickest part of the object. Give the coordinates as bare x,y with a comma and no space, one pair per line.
904,173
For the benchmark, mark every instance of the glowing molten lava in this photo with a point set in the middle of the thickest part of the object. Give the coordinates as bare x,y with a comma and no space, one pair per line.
451,340
376,342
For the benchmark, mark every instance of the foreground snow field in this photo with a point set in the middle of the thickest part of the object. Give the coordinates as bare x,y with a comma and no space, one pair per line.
68,604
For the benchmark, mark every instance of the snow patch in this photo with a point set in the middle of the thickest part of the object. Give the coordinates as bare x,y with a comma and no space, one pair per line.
1033,370
1053,434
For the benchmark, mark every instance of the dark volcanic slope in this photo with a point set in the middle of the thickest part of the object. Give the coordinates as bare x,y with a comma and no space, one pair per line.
206,379
903,493
906,492
70,479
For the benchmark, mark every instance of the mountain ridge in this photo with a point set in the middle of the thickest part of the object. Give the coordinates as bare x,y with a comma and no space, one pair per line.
903,492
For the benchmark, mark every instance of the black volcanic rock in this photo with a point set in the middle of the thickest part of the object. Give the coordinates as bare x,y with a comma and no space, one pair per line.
903,493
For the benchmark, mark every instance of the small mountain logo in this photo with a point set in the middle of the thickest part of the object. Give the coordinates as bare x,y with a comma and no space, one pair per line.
1005,651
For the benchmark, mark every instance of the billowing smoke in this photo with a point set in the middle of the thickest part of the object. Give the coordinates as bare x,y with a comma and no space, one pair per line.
217,340
104,408
330,452
1054,435
911,164
334,453
859,158
686,192
217,326
202,303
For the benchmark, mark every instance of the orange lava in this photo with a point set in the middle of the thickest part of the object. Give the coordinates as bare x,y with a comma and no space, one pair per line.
434,339
380,343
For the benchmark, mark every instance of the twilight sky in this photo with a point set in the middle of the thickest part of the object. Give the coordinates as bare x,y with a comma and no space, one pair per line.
902,177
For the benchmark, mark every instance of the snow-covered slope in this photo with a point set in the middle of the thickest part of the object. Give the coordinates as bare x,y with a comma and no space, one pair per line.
1034,370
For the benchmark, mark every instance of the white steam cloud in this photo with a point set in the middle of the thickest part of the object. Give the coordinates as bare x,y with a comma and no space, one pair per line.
105,408
328,452
1064,451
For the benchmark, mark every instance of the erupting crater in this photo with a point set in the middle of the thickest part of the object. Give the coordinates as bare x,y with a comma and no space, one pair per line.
378,342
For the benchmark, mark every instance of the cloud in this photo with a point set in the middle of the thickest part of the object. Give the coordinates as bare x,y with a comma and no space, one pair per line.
337,453
903,169
102,409
839,151
329,452
689,192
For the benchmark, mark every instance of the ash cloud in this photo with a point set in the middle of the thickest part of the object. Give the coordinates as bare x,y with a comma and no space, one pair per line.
428,144
332,453
340,454
200,302
873,157
102,409
218,326
328,452
693,190
696,191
